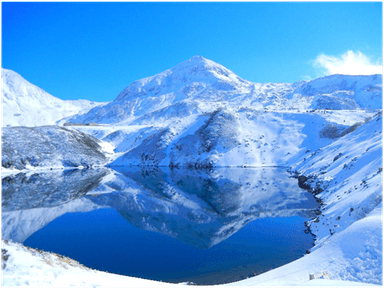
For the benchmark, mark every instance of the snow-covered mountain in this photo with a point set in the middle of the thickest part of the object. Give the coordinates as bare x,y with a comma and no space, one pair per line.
199,85
24,104
196,78
200,114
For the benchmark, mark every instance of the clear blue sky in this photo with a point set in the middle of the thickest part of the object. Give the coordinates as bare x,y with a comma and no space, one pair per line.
94,50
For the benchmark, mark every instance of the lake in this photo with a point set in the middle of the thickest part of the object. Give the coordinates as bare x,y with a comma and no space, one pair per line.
174,225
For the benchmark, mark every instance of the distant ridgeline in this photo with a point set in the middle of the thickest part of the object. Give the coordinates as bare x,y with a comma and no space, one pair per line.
80,124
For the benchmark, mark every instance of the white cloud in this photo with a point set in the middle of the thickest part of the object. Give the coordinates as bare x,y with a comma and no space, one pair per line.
350,63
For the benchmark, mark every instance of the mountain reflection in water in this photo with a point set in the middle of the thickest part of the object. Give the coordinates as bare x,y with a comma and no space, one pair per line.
200,208
203,208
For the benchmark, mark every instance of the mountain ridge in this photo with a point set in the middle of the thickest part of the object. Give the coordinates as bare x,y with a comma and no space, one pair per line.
211,84
197,83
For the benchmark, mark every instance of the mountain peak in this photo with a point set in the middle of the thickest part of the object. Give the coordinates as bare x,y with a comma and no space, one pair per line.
200,62
199,59
199,68
194,70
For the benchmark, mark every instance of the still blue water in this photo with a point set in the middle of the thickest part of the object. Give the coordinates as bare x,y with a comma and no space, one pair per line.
103,240
154,226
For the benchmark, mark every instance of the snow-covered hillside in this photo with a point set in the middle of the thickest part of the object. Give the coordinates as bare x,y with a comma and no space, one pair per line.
347,175
344,92
50,147
230,137
24,104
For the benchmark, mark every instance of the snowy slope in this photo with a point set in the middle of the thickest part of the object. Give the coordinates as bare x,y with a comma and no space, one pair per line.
351,90
24,104
23,266
48,147
349,173
230,137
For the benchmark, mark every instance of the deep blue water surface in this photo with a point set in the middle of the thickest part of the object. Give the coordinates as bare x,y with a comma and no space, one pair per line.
203,227
103,240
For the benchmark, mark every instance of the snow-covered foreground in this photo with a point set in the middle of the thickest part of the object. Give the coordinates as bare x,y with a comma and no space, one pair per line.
29,267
